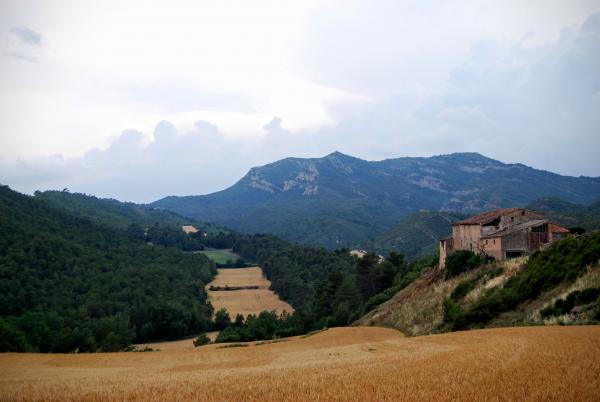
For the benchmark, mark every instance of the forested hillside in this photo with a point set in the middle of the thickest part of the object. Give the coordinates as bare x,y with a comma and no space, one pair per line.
417,234
341,201
569,214
78,273
68,283
117,214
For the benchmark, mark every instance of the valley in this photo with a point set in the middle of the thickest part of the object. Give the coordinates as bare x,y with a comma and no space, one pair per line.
244,301
350,364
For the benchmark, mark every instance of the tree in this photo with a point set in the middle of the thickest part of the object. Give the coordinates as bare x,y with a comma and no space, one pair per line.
222,319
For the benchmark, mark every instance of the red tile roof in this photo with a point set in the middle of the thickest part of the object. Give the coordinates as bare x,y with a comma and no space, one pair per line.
554,228
487,217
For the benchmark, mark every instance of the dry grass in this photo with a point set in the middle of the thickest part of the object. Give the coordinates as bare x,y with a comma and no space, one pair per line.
590,279
350,364
246,301
418,308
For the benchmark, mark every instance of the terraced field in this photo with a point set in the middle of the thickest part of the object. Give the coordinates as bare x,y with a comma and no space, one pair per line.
245,301
350,364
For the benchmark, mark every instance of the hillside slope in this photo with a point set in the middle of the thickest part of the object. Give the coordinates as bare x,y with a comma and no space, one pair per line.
114,213
67,283
569,214
417,234
514,292
339,200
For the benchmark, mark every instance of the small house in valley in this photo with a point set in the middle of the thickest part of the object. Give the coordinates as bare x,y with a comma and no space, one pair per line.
502,234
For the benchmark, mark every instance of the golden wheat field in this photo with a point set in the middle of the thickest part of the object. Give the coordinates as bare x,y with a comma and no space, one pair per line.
350,364
246,301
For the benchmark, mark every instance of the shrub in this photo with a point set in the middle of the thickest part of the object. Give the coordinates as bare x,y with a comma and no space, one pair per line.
201,340
452,311
576,298
464,287
461,261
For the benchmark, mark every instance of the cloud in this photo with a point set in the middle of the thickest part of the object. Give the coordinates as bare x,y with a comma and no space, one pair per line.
27,36
422,83
137,168
509,99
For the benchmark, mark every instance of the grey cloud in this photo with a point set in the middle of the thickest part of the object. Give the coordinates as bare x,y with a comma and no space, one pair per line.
132,168
27,35
510,100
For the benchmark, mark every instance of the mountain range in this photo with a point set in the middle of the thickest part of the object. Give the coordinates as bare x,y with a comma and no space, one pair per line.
342,201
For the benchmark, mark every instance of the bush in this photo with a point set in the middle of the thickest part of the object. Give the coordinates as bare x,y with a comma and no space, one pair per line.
461,261
201,340
229,334
464,287
576,298
452,311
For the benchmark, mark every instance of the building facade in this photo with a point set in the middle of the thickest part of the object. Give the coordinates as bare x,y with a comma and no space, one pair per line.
502,234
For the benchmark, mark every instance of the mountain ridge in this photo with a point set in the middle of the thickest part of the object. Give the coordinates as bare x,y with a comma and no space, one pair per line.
342,201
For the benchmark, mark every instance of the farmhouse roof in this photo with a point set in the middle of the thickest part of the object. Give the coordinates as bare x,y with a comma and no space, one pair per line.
487,217
554,228
516,228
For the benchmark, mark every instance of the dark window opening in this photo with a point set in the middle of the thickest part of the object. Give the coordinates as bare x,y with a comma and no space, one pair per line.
514,254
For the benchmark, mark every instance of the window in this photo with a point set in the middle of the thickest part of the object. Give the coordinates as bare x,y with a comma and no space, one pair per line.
494,241
512,218
522,213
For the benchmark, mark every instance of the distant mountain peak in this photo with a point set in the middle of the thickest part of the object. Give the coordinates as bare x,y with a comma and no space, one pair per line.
339,200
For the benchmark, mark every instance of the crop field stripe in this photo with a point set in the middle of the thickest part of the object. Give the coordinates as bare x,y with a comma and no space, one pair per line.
244,301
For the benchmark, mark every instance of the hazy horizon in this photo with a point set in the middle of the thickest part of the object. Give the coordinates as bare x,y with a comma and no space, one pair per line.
137,102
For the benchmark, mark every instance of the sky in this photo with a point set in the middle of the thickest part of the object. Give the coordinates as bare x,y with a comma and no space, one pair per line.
138,100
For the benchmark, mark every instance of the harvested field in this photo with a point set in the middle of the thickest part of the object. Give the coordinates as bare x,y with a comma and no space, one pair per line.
354,364
244,301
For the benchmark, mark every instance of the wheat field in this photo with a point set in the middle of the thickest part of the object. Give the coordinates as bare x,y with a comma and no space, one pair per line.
349,364
246,301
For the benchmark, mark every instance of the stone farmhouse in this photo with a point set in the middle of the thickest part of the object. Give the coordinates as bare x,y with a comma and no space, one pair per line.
502,234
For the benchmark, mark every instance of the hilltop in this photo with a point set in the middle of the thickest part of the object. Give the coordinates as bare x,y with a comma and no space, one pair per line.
342,201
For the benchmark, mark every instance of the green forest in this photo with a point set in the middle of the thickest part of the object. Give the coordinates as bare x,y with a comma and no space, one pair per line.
68,283
78,273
